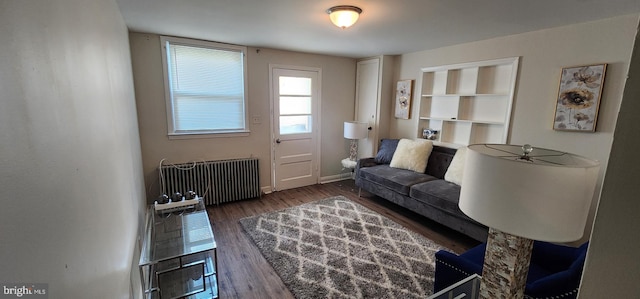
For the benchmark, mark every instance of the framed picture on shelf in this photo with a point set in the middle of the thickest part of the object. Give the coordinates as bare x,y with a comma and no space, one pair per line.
403,99
578,98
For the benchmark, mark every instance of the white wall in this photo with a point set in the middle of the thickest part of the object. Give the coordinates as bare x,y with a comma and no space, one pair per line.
612,269
71,184
543,54
338,97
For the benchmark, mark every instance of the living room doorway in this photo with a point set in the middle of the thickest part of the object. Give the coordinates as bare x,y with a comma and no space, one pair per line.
295,103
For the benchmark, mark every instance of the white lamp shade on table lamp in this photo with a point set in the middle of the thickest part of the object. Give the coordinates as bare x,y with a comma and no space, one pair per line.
355,130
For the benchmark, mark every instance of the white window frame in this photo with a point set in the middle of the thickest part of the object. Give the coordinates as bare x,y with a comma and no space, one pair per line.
171,130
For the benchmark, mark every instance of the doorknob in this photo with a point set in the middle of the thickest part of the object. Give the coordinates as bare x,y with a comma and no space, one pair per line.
278,140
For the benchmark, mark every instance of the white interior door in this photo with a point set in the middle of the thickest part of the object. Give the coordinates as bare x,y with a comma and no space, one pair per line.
367,103
295,101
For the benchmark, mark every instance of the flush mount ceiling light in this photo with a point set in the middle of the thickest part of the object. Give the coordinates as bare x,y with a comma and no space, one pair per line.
344,16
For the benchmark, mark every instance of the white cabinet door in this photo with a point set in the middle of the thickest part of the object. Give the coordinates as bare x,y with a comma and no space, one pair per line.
368,74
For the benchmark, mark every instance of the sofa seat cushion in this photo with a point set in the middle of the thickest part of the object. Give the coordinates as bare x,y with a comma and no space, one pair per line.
398,180
438,193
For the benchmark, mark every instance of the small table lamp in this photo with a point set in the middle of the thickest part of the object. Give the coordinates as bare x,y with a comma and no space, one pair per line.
523,195
355,130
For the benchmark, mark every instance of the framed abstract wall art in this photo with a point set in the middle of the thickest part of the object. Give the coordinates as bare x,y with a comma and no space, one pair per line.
578,98
403,99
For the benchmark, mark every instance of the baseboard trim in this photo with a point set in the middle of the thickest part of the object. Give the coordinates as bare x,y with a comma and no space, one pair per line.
323,180
266,189
335,178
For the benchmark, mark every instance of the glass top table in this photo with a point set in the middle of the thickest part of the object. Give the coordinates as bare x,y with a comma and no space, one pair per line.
171,236
468,288
178,257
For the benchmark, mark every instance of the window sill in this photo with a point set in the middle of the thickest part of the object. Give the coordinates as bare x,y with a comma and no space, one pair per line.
178,136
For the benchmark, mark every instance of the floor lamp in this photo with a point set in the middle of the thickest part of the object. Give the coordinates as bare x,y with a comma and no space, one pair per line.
522,195
355,130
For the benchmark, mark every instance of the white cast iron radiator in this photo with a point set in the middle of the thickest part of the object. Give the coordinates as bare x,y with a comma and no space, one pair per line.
217,181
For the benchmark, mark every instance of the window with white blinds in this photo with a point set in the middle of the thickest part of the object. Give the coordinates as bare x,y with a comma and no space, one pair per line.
205,84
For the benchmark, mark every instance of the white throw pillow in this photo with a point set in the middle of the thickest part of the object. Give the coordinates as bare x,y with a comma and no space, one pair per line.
412,154
456,168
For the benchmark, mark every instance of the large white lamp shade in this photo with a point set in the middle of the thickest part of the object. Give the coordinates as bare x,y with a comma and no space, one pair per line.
523,194
544,197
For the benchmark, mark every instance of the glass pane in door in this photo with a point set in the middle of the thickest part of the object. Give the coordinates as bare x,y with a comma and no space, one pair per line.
295,124
295,105
295,86
295,102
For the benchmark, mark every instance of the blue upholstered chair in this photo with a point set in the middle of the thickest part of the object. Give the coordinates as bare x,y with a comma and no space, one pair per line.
554,272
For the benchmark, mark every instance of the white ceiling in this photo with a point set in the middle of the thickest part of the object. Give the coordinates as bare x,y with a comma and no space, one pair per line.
384,27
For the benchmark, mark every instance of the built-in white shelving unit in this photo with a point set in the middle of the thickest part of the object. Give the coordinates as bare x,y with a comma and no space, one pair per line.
468,103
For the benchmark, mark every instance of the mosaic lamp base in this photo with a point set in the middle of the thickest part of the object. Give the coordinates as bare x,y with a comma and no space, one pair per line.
506,264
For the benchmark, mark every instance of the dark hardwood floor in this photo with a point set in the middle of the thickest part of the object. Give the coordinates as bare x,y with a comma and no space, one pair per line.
244,273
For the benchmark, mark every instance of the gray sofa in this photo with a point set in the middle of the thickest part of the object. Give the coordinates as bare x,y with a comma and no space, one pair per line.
427,194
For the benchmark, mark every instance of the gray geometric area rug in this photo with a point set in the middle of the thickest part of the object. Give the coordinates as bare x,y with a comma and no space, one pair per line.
336,248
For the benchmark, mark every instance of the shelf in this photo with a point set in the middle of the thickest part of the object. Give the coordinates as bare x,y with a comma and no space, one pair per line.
455,132
205,257
489,122
496,78
462,80
182,282
168,265
468,102
446,144
210,290
479,95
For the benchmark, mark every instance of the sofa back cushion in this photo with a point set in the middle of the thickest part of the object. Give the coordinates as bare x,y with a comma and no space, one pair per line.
386,150
439,161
